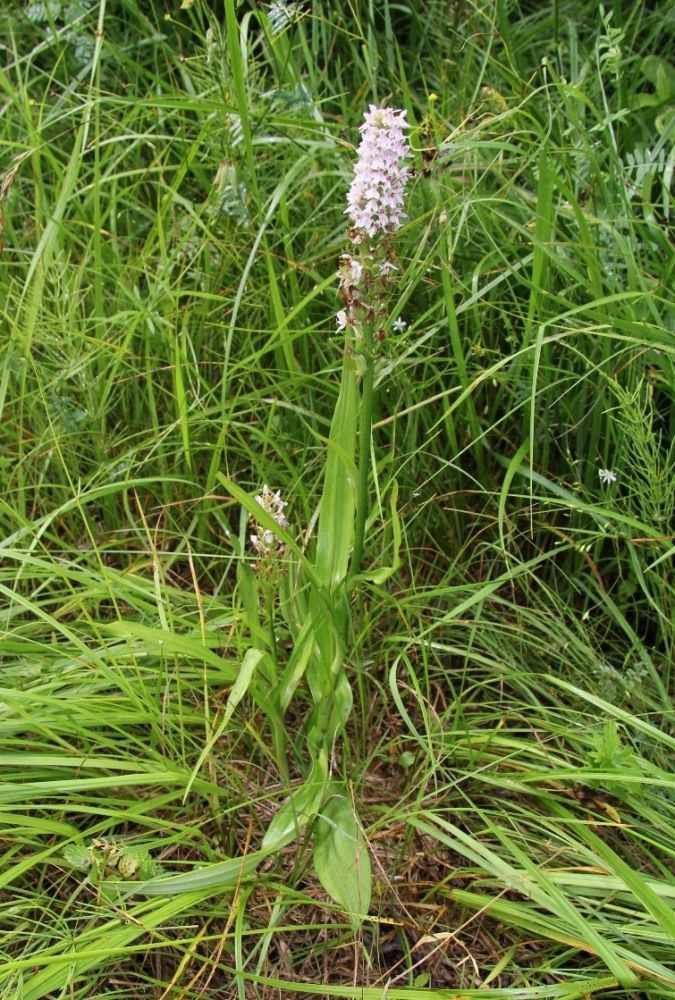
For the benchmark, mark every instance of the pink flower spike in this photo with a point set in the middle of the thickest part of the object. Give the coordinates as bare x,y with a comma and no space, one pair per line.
376,196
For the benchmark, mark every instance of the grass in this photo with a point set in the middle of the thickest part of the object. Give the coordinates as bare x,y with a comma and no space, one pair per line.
172,200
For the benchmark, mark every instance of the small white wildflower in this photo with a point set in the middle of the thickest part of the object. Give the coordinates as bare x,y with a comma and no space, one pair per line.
341,319
265,541
375,199
387,268
399,325
607,476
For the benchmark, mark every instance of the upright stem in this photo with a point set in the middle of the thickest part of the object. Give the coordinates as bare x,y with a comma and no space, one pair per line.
365,430
279,737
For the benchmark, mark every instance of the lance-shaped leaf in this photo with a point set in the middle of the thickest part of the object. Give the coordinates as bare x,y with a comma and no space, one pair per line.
299,809
383,573
338,500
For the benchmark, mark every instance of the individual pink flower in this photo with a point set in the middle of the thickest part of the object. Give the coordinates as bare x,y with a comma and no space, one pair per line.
351,272
375,199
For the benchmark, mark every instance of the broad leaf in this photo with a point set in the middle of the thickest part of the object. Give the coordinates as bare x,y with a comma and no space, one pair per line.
341,859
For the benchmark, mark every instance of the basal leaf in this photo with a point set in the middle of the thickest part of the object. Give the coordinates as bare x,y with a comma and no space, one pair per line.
341,858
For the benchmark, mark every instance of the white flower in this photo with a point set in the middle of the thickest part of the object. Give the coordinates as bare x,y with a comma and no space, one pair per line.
265,541
342,319
351,271
399,325
375,199
386,268
607,476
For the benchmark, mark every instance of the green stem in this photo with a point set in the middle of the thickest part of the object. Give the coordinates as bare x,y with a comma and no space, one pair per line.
279,737
365,430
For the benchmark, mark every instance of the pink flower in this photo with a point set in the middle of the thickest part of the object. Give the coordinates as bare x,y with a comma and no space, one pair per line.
351,271
375,199
265,542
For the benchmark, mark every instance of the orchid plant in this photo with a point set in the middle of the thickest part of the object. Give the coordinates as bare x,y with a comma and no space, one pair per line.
313,596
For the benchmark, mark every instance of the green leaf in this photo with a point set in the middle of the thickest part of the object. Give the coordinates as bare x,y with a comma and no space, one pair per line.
220,875
247,589
294,671
77,856
609,752
661,74
335,534
383,573
328,651
341,859
134,862
298,810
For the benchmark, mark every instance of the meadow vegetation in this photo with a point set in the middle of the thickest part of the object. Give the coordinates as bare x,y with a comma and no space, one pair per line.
172,198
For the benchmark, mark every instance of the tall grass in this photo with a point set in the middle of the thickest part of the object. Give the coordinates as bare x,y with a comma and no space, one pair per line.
173,198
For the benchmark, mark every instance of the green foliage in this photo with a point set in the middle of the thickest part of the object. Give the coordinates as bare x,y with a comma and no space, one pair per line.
338,500
341,858
299,809
608,752
499,671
